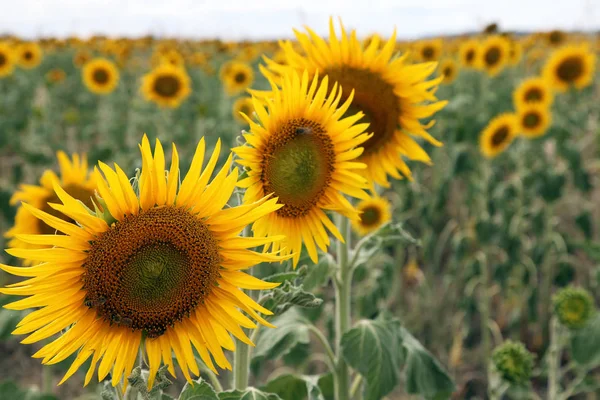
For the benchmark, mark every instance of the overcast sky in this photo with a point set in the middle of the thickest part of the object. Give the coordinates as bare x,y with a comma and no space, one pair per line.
258,19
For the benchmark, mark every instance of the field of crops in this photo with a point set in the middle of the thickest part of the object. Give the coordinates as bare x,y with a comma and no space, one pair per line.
330,217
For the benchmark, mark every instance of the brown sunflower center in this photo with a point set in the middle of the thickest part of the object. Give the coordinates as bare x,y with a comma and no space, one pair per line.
239,77
80,193
28,55
533,94
370,216
151,270
500,136
448,72
428,53
167,85
297,166
556,37
531,119
2,59
570,69
374,97
470,55
100,76
492,56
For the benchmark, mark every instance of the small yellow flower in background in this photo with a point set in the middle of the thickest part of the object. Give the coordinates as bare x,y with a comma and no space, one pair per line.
243,105
100,76
29,55
494,54
534,90
429,50
7,60
374,212
81,58
236,76
449,70
166,85
570,66
165,270
534,120
412,274
469,53
498,134
56,75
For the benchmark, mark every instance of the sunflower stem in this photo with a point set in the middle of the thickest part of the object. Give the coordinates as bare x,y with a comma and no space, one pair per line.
47,379
342,311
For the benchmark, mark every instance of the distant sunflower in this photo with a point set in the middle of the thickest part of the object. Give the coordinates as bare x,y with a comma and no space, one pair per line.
7,60
242,105
494,54
534,90
429,50
570,66
74,178
534,120
304,151
468,53
55,75
100,76
163,273
498,135
393,95
556,38
236,76
374,212
516,52
81,58
29,55
166,85
449,70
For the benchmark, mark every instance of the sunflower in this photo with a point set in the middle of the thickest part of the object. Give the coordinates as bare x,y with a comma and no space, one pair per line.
7,60
74,178
534,90
498,134
81,58
29,55
494,54
166,85
374,212
449,70
236,76
55,75
429,50
161,271
243,105
556,38
390,92
570,66
468,53
534,120
515,53
100,76
304,151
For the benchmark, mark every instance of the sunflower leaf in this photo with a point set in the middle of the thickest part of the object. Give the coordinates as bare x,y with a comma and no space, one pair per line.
200,390
282,298
248,394
295,387
275,343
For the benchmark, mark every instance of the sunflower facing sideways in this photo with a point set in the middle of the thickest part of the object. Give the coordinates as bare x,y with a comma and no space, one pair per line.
534,120
100,76
393,94
29,55
243,105
498,134
570,66
374,212
449,70
160,270
468,53
7,60
74,178
494,54
166,85
534,90
304,151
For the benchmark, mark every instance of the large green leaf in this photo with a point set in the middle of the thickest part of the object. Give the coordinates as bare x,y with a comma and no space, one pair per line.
275,343
423,373
585,343
248,394
282,298
294,387
371,348
200,390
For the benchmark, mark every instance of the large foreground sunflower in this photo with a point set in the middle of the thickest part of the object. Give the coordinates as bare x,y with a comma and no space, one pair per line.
534,120
74,178
570,66
100,76
29,55
498,135
534,90
159,270
392,94
166,85
374,212
304,152
7,60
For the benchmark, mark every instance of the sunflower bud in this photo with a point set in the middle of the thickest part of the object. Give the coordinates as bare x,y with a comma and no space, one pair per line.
514,362
573,307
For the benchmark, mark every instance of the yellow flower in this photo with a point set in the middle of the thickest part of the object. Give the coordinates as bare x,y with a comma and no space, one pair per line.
494,54
243,105
166,85
468,53
374,212
163,273
81,58
570,66
429,50
390,92
449,70
498,135
236,76
56,75
29,55
534,120
7,60
534,90
304,151
100,76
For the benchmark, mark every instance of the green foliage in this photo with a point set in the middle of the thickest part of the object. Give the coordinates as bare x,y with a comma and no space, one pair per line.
293,387
200,390
585,343
275,343
248,394
9,390
282,298
514,362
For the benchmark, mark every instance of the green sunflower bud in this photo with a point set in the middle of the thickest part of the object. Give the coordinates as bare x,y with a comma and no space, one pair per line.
573,307
514,362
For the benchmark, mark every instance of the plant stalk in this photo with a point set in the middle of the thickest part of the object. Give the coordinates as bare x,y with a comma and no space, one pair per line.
241,356
554,360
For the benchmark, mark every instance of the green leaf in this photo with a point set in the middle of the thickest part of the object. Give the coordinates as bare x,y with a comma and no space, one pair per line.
9,390
200,390
585,343
325,383
371,348
282,277
423,373
293,387
248,394
280,299
275,343
319,274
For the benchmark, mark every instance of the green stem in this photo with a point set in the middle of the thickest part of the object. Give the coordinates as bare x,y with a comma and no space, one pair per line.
554,360
214,380
356,383
47,379
342,311
119,390
485,307
330,355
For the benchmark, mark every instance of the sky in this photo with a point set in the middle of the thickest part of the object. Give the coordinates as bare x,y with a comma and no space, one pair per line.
271,19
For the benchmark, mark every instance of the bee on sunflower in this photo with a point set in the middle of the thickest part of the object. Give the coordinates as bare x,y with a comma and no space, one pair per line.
534,90
534,120
159,270
29,55
374,212
7,60
494,54
100,76
570,66
166,85
236,76
498,134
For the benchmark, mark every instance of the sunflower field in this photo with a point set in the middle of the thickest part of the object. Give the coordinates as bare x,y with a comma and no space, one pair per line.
332,217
